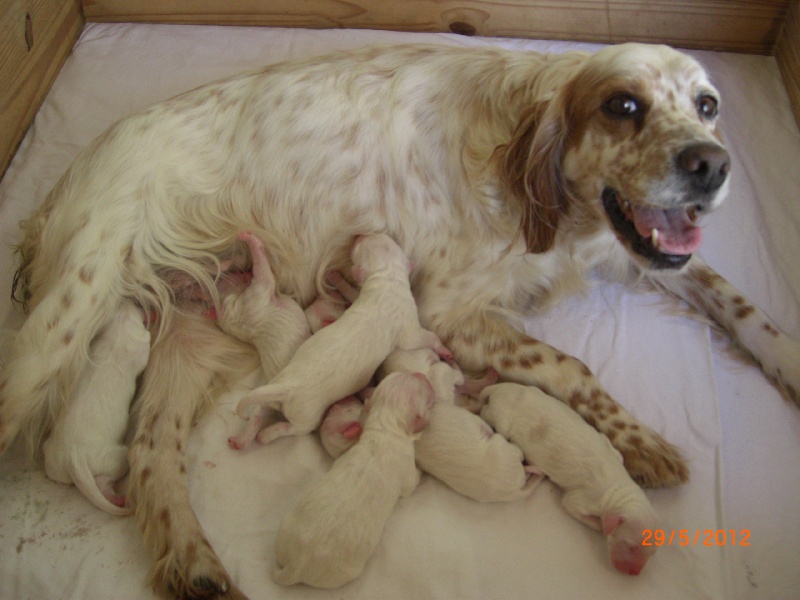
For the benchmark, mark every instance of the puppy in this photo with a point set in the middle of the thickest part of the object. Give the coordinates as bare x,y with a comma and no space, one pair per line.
341,358
461,450
597,489
273,323
86,445
327,538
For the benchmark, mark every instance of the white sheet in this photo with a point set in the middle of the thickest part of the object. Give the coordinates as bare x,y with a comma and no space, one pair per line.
741,437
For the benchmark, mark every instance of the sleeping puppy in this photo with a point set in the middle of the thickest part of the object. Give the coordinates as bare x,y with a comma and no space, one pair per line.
597,489
340,359
86,445
327,538
457,447
461,450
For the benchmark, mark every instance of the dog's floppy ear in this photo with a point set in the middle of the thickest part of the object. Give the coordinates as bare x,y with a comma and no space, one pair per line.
531,167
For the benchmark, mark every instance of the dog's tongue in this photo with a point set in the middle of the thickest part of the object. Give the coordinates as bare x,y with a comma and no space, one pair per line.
676,233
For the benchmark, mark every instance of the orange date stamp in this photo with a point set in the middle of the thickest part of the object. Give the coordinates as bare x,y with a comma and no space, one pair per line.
698,537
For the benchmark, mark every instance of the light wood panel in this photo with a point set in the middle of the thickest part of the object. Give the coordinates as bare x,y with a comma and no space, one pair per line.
787,53
743,25
35,39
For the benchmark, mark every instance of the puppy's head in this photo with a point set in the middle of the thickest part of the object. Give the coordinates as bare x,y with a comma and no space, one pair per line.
408,397
624,535
630,141
375,252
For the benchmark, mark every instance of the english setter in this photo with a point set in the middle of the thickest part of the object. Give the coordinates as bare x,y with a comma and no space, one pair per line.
505,176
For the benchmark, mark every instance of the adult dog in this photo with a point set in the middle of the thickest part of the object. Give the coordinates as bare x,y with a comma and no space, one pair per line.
504,176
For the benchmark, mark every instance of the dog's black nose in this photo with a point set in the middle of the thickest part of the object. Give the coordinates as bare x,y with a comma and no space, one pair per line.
704,165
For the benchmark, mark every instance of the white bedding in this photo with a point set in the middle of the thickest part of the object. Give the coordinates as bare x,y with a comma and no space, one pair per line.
741,437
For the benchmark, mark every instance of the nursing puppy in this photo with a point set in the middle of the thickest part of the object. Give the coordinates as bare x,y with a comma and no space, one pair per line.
327,538
340,359
272,322
86,445
259,315
597,489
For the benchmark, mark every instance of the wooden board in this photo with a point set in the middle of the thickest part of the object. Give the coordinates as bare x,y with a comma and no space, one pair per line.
35,39
736,25
787,53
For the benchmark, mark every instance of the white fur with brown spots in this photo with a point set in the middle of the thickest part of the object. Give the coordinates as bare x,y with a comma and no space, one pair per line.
505,176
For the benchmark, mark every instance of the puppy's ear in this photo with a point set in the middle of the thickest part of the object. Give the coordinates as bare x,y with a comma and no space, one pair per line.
610,522
531,168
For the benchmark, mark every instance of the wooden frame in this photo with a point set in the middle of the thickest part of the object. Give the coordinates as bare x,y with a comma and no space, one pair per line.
37,35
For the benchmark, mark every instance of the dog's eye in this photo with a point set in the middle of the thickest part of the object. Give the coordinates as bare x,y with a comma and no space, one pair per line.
707,107
622,105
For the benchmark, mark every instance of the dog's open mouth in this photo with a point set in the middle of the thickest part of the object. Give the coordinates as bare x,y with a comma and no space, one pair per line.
665,237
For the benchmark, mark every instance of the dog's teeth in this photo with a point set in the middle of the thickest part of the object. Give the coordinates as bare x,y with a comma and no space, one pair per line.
654,238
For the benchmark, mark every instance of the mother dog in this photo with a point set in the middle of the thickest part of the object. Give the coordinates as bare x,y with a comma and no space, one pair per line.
505,176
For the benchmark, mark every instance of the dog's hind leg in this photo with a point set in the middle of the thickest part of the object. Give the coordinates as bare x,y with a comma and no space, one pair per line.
482,340
186,364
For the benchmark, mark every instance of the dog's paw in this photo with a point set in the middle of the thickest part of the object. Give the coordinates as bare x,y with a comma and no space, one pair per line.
651,461
194,574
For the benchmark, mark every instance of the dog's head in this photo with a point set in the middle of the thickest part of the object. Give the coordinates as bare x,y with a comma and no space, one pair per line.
632,133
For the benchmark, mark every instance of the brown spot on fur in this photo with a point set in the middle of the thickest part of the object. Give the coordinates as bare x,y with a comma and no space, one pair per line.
165,519
178,423
67,339
182,469
506,363
636,441
770,329
576,399
145,475
529,342
635,427
560,357
738,300
706,277
86,274
617,424
744,312
527,362
179,446
585,371
66,300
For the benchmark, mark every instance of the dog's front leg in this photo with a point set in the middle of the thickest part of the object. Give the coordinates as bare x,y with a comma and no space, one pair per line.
483,340
175,384
776,353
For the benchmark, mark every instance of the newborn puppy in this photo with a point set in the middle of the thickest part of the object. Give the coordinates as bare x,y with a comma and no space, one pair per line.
597,489
444,377
275,324
327,538
86,445
340,359
461,450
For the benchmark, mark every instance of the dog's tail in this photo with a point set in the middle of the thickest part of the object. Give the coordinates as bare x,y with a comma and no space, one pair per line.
75,281
89,485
